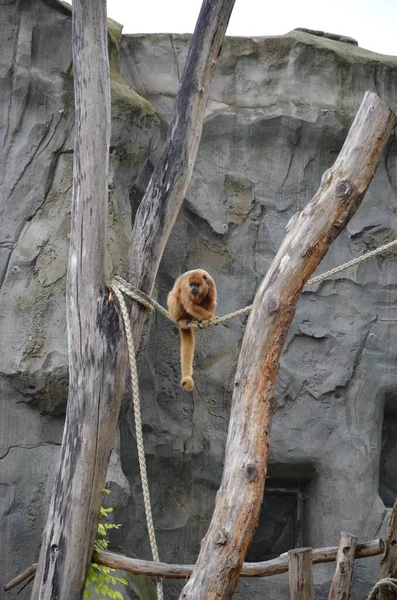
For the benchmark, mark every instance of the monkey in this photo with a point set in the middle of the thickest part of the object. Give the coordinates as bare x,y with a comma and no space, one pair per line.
191,300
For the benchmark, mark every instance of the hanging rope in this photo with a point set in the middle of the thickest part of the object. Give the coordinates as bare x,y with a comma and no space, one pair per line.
139,433
383,586
151,304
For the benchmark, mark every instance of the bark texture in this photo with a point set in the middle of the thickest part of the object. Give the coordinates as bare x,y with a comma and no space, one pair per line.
309,234
342,580
166,190
300,574
94,333
261,569
96,347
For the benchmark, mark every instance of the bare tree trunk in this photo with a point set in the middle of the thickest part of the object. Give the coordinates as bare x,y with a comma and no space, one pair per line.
309,234
167,187
93,326
96,345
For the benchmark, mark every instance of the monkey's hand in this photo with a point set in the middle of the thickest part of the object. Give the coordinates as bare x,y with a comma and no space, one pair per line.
204,324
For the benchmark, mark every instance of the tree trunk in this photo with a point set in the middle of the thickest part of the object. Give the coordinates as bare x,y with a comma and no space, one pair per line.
342,580
167,187
97,355
94,332
309,234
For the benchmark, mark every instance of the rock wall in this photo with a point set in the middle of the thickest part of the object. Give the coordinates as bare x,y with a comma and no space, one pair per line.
279,112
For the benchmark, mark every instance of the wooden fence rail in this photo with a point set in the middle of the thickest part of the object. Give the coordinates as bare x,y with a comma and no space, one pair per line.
260,569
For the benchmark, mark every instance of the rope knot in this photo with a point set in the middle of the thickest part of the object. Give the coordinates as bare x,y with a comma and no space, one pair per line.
132,292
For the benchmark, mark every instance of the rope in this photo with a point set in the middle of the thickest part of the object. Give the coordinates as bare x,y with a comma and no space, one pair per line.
150,304
352,263
387,585
120,286
135,294
117,288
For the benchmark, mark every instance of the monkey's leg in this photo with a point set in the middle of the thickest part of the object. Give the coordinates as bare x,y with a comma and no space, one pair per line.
187,354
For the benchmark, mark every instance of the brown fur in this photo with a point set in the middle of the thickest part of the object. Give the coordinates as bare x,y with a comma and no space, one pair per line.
185,306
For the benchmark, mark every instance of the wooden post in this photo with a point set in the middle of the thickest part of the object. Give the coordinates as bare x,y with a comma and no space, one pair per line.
342,580
97,353
309,234
300,574
388,562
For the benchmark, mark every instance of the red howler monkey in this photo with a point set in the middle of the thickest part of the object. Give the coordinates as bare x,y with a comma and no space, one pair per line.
193,298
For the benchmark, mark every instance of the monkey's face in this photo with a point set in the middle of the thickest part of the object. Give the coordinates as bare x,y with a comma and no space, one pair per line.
198,286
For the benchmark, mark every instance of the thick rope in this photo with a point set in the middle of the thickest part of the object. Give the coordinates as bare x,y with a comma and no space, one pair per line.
387,585
120,286
150,304
116,287
352,263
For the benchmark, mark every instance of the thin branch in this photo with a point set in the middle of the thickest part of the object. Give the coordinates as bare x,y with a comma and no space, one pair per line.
20,578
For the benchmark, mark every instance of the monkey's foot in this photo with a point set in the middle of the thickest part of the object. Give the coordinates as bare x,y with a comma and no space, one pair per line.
187,383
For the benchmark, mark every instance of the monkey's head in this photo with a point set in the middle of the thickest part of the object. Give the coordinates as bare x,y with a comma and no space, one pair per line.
199,284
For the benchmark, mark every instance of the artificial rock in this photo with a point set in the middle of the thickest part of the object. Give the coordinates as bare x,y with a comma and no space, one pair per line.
279,111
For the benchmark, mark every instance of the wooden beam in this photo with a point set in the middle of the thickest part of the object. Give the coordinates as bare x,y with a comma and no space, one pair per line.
300,574
158,569
309,235
388,562
343,577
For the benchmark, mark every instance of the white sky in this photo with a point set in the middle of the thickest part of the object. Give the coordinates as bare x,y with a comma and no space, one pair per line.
373,23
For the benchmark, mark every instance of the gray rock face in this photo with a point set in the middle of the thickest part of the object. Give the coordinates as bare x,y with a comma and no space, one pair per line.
279,112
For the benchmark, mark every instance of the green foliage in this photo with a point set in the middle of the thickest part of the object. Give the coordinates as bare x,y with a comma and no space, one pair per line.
100,579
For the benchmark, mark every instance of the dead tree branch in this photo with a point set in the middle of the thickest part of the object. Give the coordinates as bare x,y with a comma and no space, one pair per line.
309,235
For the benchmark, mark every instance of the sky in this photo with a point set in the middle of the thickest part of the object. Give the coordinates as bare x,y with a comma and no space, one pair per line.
373,23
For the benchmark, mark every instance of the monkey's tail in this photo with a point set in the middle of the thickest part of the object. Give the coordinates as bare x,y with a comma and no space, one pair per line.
187,354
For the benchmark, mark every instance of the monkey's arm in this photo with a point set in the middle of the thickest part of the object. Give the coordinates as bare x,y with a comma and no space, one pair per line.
200,313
